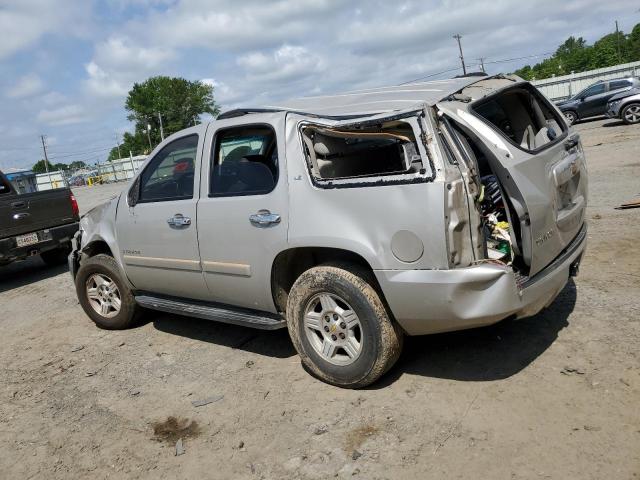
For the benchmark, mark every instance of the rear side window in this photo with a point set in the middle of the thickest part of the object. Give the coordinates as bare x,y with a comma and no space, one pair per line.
524,117
617,84
359,154
244,161
170,174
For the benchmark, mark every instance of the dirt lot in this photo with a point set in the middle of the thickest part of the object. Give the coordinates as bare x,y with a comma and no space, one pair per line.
553,396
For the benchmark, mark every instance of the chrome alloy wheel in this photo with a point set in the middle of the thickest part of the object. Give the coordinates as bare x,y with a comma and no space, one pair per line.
632,114
103,294
333,329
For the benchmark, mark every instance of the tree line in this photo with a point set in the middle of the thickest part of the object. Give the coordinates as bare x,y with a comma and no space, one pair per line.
575,55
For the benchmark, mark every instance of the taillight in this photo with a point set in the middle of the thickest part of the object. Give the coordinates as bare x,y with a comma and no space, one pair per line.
74,205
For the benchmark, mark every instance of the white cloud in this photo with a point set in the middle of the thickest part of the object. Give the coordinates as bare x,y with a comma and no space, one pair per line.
24,22
118,63
65,115
26,86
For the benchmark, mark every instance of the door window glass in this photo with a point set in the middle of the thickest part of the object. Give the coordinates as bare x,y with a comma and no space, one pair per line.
618,84
170,175
245,161
595,90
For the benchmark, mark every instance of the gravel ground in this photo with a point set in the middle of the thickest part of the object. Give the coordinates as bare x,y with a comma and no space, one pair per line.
552,396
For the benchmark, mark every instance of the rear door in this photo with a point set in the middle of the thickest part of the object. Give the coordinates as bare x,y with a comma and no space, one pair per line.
546,182
243,209
157,235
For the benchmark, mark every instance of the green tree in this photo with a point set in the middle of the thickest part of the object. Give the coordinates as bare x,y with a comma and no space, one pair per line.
574,55
179,101
40,167
77,164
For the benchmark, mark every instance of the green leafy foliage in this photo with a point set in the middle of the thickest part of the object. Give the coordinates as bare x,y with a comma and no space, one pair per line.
574,55
179,101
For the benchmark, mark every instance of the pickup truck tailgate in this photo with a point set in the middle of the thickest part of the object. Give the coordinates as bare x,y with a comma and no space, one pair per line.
31,212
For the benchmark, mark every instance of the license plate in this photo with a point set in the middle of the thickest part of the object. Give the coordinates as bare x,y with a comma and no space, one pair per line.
26,240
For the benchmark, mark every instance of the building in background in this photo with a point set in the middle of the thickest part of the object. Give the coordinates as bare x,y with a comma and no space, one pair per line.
24,181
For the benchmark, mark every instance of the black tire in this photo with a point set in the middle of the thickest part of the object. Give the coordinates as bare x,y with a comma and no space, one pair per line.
57,256
571,117
105,265
382,337
633,119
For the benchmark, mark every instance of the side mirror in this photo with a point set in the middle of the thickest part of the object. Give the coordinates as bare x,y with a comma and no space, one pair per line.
134,193
582,99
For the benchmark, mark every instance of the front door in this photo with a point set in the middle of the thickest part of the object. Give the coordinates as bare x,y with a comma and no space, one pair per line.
242,213
594,101
158,236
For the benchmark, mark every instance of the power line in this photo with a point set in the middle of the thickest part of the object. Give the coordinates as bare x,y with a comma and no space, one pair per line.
506,60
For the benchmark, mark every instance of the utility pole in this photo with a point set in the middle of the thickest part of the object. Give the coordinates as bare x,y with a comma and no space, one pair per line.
618,42
458,37
161,129
481,60
46,158
118,143
149,136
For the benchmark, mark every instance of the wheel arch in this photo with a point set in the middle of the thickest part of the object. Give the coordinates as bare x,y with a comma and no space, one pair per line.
289,264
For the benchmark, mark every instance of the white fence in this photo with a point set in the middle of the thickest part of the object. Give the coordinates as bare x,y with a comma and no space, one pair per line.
48,181
559,88
115,171
121,169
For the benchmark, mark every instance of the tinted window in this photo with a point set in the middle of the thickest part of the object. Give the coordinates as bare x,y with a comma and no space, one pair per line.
245,161
595,90
617,84
170,175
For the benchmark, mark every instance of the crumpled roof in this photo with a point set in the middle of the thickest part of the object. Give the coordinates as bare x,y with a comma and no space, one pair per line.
377,100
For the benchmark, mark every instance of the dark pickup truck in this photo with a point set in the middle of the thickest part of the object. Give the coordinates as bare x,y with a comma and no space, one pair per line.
39,223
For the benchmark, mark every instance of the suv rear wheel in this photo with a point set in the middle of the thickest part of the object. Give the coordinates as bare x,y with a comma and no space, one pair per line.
104,294
340,326
631,114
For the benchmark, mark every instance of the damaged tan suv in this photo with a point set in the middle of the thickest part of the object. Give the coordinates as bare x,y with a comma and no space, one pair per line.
351,220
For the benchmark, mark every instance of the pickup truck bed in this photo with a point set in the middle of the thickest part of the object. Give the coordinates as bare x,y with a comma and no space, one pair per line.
35,223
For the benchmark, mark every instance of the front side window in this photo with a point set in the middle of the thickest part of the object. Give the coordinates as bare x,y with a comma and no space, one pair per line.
244,161
595,90
170,175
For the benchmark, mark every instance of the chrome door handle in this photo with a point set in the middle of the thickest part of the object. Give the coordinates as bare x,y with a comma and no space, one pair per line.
179,221
264,218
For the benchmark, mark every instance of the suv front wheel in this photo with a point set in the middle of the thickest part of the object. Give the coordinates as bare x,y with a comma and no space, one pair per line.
104,294
340,326
571,117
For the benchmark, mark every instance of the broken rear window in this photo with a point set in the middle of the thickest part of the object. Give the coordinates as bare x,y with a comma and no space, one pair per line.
523,116
346,153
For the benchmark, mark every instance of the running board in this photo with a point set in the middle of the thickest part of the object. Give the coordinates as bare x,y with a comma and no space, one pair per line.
215,312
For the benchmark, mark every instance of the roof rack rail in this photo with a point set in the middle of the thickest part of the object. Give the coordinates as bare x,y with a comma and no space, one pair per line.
239,112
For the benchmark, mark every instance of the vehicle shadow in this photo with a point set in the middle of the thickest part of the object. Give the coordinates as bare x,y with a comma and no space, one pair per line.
25,272
485,354
614,123
482,354
275,343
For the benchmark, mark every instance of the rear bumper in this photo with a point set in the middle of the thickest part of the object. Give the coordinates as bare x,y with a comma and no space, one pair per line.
50,239
432,301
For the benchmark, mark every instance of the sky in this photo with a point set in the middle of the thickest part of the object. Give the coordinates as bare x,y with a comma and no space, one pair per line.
66,65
